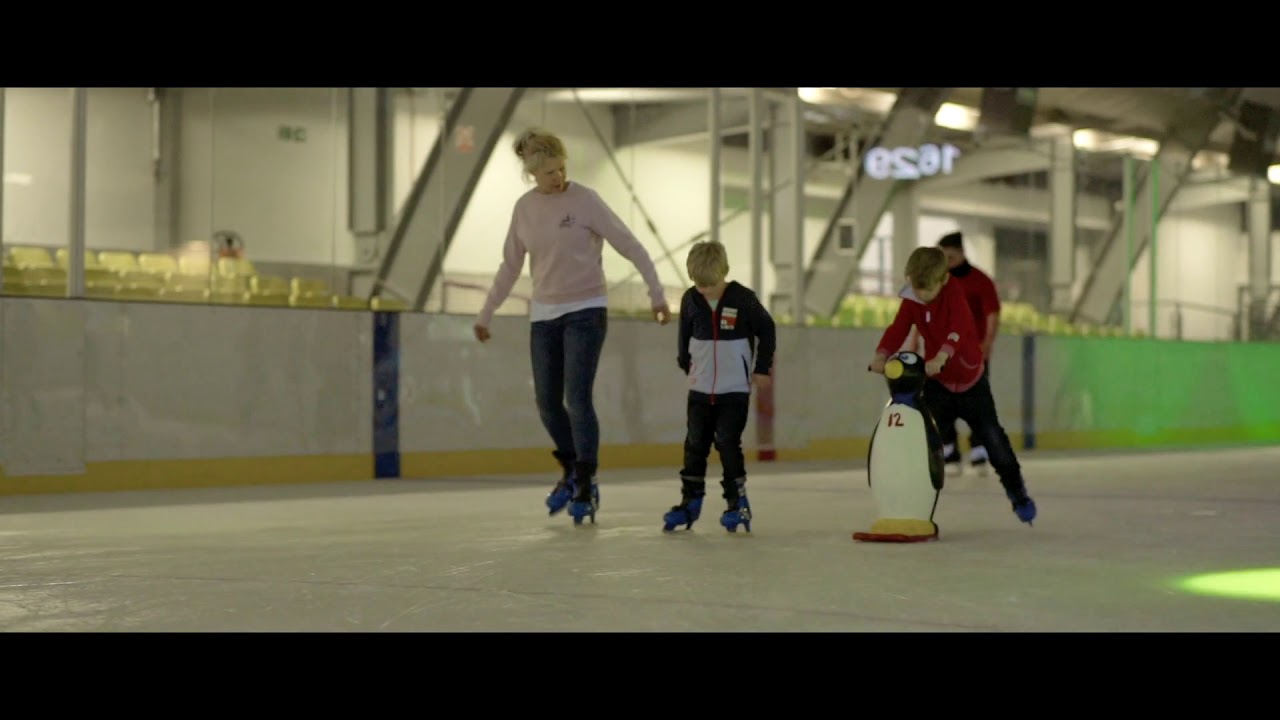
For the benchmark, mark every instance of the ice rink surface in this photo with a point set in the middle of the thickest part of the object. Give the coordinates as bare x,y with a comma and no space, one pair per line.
1115,533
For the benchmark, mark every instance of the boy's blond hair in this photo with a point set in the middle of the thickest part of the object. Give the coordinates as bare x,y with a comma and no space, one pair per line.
708,263
926,267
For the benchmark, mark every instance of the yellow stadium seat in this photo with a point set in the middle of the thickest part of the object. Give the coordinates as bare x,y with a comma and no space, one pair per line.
38,282
119,261
235,267
158,263
100,282
314,300
139,286
388,304
13,284
62,257
308,286
224,296
847,316
267,299
194,265
349,302
187,294
31,257
268,285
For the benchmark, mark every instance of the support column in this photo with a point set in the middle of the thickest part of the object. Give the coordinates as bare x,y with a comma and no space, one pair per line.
1259,225
1129,184
755,197
2,91
1062,224
166,120
369,148
79,148
787,170
796,112
906,231
1153,261
713,122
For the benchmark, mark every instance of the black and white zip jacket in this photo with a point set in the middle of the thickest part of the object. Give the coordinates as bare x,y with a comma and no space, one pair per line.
717,344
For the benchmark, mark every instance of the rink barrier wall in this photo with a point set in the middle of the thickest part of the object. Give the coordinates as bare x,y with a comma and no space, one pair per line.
130,396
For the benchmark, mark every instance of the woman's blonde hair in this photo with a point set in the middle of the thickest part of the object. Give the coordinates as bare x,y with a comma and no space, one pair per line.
535,146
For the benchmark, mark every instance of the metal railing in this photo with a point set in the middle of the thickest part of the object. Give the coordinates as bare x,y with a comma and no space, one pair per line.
1258,321
1179,309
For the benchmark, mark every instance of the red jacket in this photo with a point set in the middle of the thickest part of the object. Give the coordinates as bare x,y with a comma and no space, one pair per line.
946,324
980,292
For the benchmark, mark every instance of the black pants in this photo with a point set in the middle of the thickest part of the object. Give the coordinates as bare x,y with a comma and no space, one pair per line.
977,408
948,432
721,424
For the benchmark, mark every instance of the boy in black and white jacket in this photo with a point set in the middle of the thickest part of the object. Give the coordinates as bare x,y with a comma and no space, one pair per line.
727,341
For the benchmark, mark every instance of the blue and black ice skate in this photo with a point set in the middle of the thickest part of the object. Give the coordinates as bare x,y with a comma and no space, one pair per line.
692,490
739,511
1024,507
739,514
686,514
586,507
562,493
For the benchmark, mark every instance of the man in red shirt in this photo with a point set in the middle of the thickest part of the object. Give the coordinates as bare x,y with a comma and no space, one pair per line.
958,386
984,301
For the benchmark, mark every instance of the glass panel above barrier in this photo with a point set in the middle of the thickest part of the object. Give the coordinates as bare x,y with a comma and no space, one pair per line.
36,190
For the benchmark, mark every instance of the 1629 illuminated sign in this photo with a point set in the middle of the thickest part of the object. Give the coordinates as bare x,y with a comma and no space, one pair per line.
910,163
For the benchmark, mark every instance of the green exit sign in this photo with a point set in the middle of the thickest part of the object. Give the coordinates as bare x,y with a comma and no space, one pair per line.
292,133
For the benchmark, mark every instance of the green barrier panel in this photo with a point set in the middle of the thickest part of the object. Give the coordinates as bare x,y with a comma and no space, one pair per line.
1105,392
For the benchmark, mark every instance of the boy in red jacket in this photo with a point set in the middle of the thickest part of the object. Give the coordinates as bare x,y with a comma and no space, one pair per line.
957,386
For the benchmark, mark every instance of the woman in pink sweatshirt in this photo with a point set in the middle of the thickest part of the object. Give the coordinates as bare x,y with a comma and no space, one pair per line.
562,226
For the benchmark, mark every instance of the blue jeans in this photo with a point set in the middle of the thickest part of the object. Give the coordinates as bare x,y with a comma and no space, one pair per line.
566,353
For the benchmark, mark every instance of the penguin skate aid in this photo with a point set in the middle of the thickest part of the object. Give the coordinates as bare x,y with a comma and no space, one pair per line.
904,461
953,385
726,344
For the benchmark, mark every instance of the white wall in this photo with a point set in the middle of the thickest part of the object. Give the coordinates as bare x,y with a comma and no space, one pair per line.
1201,259
287,199
120,185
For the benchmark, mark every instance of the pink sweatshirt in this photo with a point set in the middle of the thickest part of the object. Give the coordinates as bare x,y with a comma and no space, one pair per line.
563,235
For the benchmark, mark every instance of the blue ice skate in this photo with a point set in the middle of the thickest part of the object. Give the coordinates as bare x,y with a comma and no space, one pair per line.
579,509
1025,509
562,493
739,515
739,512
560,496
686,513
